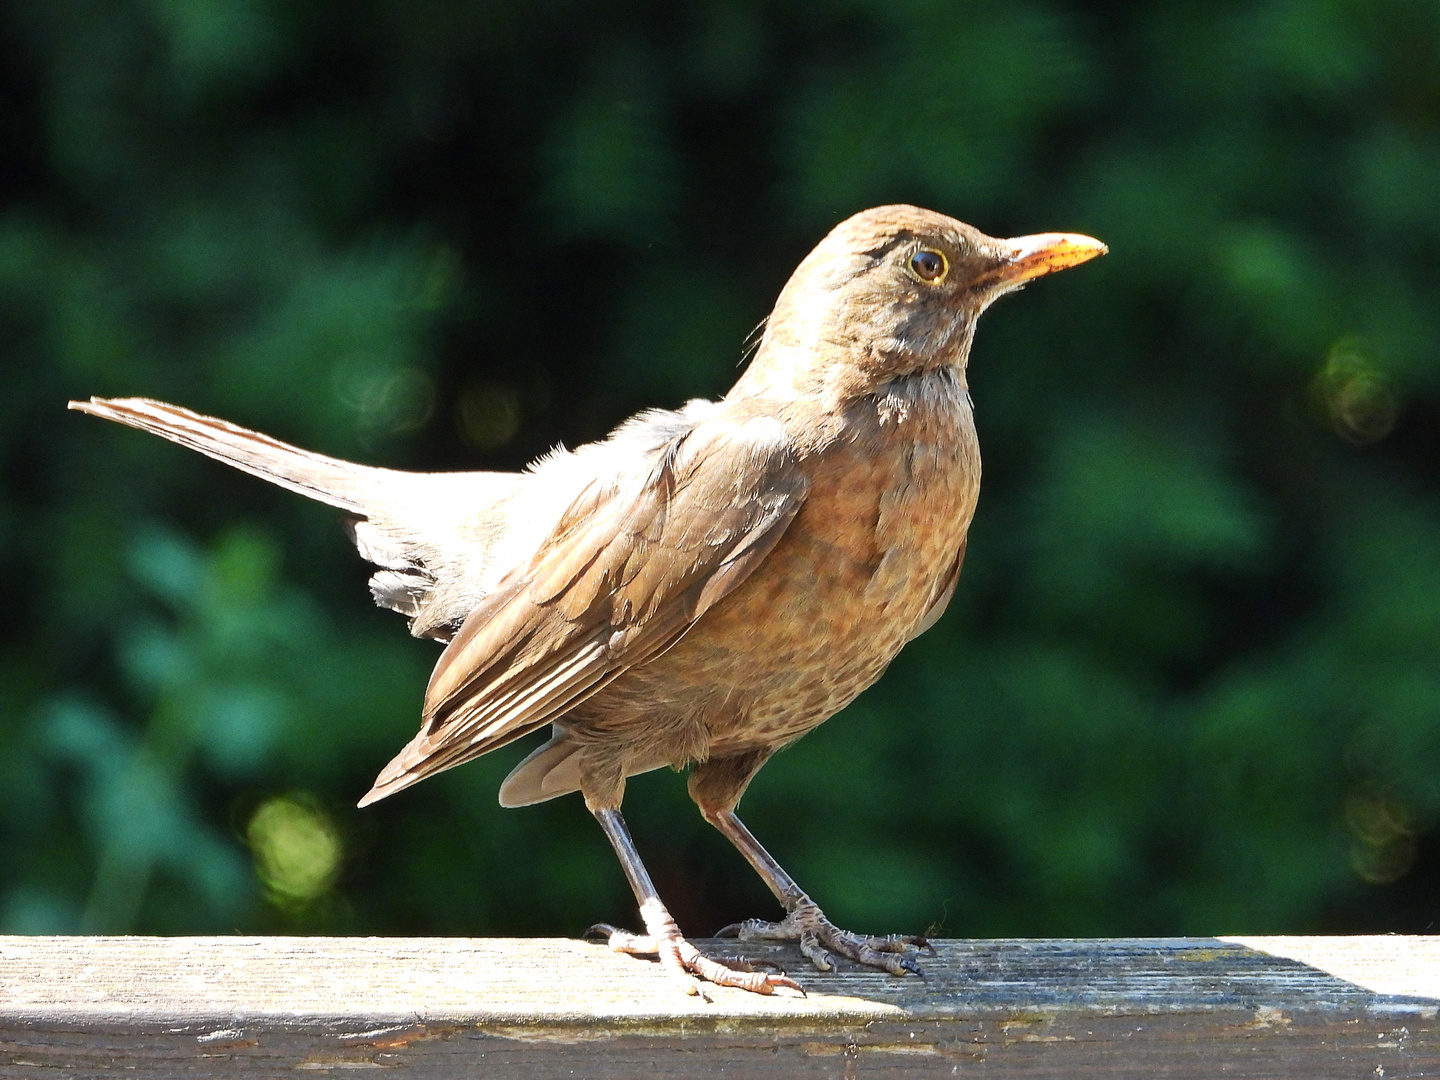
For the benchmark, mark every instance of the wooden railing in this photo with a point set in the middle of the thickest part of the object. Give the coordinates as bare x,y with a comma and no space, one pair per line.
443,1007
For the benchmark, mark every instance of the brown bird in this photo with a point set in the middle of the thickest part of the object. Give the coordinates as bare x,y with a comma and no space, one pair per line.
704,586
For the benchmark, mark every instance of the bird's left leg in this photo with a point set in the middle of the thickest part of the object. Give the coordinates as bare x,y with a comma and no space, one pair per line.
716,786
663,936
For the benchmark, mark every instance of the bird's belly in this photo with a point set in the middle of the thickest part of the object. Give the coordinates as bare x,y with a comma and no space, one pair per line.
819,620
837,600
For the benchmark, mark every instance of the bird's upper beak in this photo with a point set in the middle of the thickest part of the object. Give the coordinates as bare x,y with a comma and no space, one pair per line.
1027,257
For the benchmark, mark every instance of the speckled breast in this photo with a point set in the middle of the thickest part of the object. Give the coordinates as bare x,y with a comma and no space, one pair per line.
893,488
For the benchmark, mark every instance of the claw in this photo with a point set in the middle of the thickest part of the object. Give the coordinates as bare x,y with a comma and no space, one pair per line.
691,968
820,939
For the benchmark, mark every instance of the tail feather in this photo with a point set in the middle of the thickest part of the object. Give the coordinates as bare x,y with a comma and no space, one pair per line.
432,534
329,480
550,771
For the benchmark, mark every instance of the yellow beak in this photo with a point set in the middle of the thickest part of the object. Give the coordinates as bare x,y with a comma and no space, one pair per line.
1035,256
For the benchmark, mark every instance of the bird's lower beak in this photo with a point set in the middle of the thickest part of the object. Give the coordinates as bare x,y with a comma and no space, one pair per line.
1028,257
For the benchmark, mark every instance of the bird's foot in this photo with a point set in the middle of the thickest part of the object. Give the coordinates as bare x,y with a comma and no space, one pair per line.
685,962
820,939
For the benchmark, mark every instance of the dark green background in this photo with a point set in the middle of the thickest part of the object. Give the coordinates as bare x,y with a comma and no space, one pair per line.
1190,682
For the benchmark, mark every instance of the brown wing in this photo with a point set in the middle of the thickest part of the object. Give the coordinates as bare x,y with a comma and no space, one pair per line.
629,568
942,598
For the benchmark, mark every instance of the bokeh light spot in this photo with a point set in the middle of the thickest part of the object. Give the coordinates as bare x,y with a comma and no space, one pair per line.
1383,830
1358,400
488,414
386,399
296,848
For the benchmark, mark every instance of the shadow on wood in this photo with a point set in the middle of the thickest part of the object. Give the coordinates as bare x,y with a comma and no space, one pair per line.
439,1007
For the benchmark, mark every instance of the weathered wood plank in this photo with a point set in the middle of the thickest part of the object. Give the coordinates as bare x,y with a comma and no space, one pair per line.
239,1007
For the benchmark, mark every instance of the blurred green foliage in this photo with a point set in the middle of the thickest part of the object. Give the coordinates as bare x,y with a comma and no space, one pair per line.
1191,679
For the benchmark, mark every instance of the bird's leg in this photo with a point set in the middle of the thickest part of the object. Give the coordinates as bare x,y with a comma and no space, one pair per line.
804,922
663,937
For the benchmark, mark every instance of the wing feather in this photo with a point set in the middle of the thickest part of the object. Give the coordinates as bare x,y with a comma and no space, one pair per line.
627,570
942,596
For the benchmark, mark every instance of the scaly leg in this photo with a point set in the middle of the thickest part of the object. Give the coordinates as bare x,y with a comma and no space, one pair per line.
663,937
804,922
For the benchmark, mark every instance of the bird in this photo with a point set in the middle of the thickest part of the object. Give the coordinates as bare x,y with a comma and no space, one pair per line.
706,584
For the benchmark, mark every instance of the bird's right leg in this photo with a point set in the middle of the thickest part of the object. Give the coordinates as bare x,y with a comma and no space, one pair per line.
716,786
662,935
804,922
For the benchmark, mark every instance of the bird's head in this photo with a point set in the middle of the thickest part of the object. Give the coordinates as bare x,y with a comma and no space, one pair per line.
892,291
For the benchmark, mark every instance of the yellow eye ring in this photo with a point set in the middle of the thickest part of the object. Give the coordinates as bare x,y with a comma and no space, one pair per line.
929,265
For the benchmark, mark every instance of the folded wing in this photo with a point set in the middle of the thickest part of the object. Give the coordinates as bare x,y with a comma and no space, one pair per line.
637,558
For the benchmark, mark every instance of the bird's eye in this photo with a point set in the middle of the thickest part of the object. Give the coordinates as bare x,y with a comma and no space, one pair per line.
929,266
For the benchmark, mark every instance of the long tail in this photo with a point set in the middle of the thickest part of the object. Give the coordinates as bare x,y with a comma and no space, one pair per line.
430,533
330,480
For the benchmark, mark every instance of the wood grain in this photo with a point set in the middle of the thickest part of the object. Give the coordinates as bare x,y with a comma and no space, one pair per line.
436,1007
